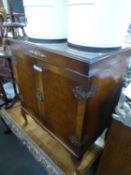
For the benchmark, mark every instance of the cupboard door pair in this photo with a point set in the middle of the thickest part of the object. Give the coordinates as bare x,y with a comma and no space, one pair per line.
55,100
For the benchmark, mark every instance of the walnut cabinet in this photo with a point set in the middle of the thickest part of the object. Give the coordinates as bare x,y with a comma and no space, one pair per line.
70,93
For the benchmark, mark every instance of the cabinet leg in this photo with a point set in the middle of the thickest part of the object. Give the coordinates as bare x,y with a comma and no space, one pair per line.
24,116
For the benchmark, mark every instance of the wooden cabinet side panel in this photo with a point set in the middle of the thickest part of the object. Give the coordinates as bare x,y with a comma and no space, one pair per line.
100,108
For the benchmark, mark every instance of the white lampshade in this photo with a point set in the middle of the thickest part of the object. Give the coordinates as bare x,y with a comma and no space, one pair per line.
98,23
46,19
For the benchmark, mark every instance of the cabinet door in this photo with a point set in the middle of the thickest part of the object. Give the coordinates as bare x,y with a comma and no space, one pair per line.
64,109
26,76
56,100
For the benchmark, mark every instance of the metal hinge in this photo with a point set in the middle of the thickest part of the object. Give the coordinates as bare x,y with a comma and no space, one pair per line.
80,94
74,141
39,95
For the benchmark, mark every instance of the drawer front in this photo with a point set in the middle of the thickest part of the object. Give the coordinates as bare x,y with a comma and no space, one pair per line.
54,57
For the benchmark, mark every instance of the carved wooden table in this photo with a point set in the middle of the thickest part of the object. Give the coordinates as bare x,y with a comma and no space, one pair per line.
45,149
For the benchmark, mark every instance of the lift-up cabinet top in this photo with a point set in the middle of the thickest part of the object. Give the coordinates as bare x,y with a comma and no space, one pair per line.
70,93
